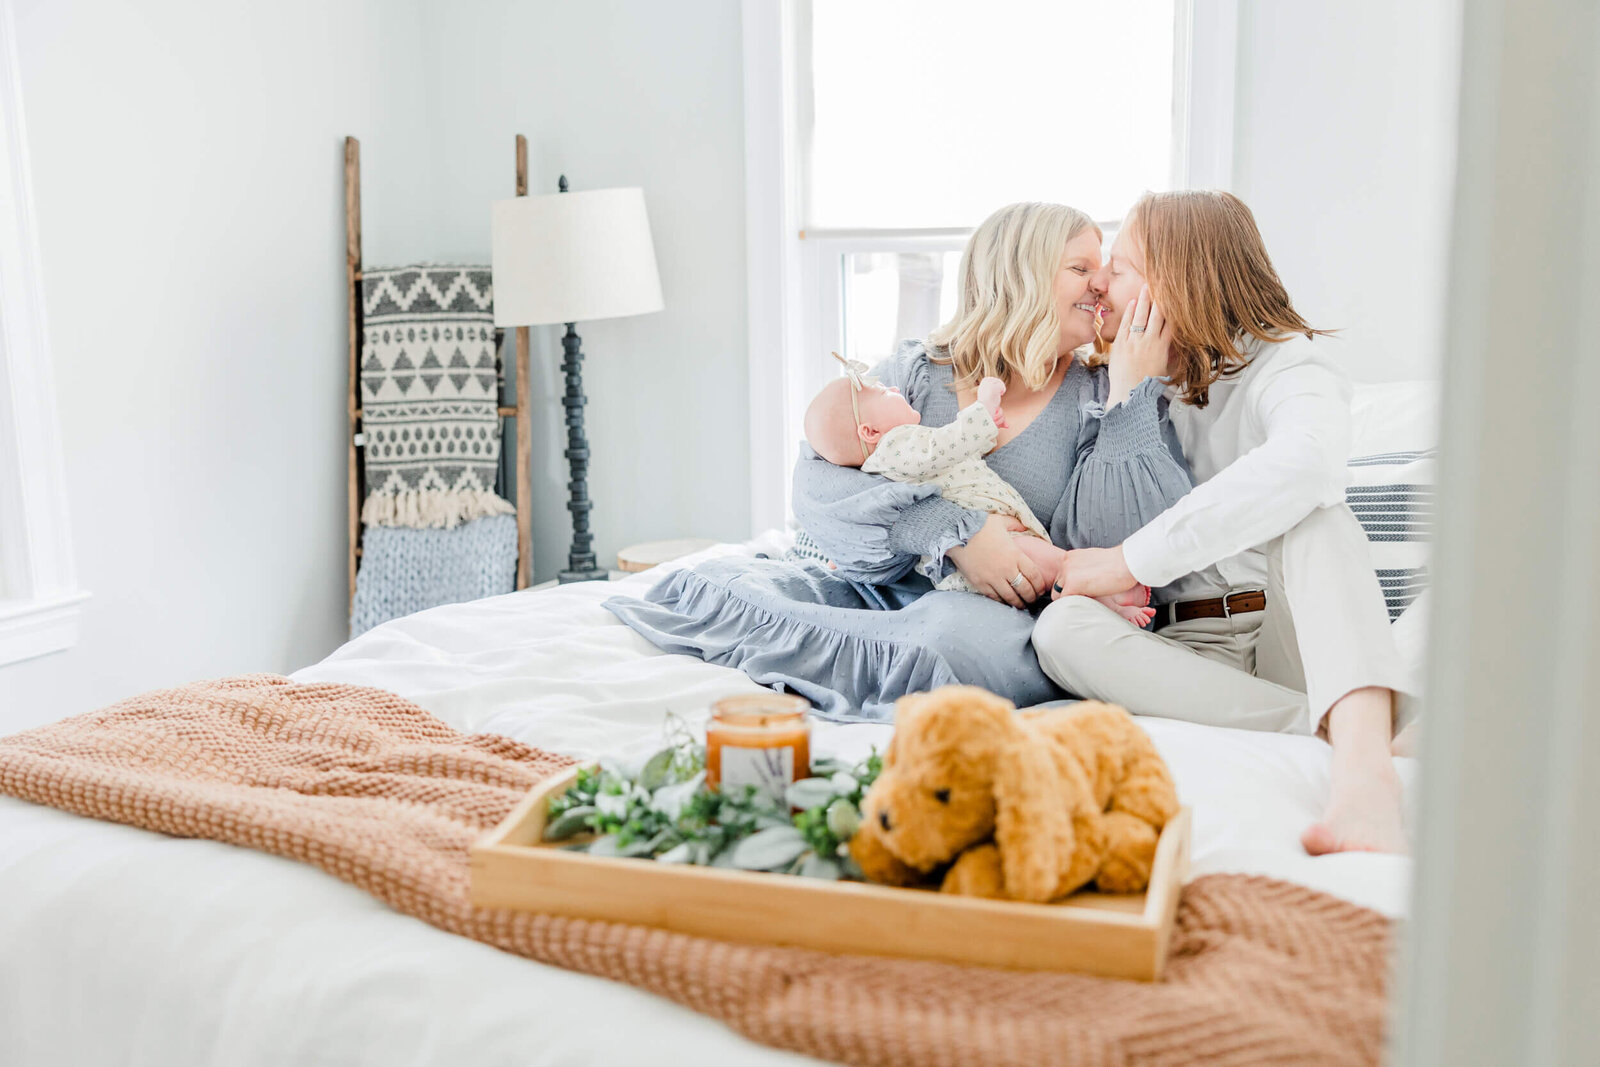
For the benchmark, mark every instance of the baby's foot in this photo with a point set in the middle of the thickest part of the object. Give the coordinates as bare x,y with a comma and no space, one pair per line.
1140,617
1137,597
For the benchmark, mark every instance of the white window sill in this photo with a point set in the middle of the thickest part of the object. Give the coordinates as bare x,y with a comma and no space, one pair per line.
30,628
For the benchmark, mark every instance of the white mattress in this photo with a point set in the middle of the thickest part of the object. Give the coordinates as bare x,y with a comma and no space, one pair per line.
123,946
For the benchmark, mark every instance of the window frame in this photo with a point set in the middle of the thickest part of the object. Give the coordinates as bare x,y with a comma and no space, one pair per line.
40,600
794,273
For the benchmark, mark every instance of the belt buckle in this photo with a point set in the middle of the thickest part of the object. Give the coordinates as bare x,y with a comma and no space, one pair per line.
1227,608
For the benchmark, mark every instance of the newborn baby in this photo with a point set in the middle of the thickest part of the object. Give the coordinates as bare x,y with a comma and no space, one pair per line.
856,422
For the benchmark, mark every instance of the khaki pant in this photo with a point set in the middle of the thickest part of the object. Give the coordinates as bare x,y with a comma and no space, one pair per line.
1325,632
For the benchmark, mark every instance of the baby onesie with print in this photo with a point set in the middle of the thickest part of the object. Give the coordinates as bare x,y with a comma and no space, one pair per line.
951,457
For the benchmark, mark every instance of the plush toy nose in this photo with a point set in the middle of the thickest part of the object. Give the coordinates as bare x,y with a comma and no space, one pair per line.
883,820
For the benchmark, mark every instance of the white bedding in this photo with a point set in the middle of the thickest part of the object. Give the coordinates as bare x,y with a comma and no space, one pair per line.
123,946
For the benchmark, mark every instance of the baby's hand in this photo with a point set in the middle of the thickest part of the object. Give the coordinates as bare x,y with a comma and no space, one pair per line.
999,417
990,390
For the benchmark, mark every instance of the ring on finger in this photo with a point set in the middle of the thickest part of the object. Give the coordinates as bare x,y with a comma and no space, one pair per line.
1019,581
1137,329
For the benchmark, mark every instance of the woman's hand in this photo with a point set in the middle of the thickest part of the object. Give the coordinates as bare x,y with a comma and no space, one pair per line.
991,563
1093,572
1141,350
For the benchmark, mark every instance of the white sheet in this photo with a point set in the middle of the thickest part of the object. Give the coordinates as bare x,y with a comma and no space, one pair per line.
123,946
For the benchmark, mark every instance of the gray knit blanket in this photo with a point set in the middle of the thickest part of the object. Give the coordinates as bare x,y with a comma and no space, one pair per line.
405,571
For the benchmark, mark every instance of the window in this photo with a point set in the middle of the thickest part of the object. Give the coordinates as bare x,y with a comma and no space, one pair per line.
935,112
924,117
39,596
895,126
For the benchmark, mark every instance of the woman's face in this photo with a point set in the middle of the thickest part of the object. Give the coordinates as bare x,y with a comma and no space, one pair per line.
1116,285
1074,300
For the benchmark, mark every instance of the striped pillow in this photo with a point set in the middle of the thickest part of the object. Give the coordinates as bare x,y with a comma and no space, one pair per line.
1391,494
804,548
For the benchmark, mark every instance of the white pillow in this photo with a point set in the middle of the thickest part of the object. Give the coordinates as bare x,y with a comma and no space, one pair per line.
1394,417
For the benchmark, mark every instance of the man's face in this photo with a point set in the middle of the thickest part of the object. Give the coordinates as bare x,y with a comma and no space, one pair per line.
1117,284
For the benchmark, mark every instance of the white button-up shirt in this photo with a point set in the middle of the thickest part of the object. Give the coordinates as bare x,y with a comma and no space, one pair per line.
1269,449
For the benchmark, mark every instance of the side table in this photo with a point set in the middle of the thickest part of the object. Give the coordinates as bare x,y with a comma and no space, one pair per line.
637,558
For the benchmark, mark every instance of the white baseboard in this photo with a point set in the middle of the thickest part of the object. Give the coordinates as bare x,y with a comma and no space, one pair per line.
38,627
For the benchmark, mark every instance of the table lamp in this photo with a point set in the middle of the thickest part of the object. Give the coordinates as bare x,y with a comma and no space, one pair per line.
568,258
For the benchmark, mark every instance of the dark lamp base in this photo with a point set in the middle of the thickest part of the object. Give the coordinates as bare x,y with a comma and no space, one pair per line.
568,577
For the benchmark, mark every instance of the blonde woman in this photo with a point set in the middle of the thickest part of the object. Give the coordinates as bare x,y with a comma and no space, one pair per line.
855,637
1274,618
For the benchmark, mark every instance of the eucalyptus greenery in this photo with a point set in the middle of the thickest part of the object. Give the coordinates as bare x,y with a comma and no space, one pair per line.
665,811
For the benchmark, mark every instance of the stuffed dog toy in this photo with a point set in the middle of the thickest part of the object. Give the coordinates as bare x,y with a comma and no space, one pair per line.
1027,805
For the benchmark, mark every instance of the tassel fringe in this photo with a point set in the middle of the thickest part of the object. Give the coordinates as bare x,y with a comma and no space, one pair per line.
432,508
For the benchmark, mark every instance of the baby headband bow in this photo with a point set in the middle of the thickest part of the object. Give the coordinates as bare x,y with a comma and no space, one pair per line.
856,371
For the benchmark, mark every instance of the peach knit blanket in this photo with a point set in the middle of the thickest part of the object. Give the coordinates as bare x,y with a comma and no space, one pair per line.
375,791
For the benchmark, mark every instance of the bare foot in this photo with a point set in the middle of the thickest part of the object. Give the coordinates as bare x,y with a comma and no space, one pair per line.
1137,597
1140,617
1130,604
1363,816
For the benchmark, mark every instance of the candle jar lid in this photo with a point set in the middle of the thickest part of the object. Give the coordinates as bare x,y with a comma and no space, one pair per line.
760,711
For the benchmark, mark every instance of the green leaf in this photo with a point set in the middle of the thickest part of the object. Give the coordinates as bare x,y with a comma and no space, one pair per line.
767,849
670,800
654,774
636,849
809,793
844,784
814,866
569,822
843,819
604,846
614,805
683,853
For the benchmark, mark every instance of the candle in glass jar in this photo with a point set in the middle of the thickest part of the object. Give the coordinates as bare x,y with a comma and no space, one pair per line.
759,739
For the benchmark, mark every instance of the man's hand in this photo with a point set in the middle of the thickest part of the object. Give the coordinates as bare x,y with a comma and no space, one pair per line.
1093,572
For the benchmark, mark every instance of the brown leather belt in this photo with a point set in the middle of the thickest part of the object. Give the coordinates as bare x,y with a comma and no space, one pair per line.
1221,607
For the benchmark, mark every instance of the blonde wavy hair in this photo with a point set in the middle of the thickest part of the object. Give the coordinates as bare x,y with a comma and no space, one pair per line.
1006,324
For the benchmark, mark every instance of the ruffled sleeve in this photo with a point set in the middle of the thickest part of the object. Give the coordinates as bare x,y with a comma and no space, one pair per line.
874,529
1130,467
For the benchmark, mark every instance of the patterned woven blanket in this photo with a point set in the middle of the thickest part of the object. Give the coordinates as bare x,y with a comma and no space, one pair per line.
429,391
375,791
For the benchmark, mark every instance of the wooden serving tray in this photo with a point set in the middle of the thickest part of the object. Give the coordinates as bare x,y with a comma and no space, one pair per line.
1092,933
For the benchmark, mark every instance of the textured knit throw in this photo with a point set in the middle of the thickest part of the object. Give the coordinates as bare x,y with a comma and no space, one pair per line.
405,571
375,791
430,396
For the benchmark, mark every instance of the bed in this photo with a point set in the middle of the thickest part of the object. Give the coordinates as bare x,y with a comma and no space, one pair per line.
119,945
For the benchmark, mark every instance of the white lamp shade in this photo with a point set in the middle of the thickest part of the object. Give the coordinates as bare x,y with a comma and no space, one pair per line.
573,257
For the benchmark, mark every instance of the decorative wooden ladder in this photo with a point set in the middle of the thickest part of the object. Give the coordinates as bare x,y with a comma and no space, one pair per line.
520,412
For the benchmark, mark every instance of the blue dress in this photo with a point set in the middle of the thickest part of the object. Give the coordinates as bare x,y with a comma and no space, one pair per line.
852,640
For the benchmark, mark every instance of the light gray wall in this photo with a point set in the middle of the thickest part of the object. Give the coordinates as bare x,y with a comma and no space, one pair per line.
186,162
615,93
187,173
1345,150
